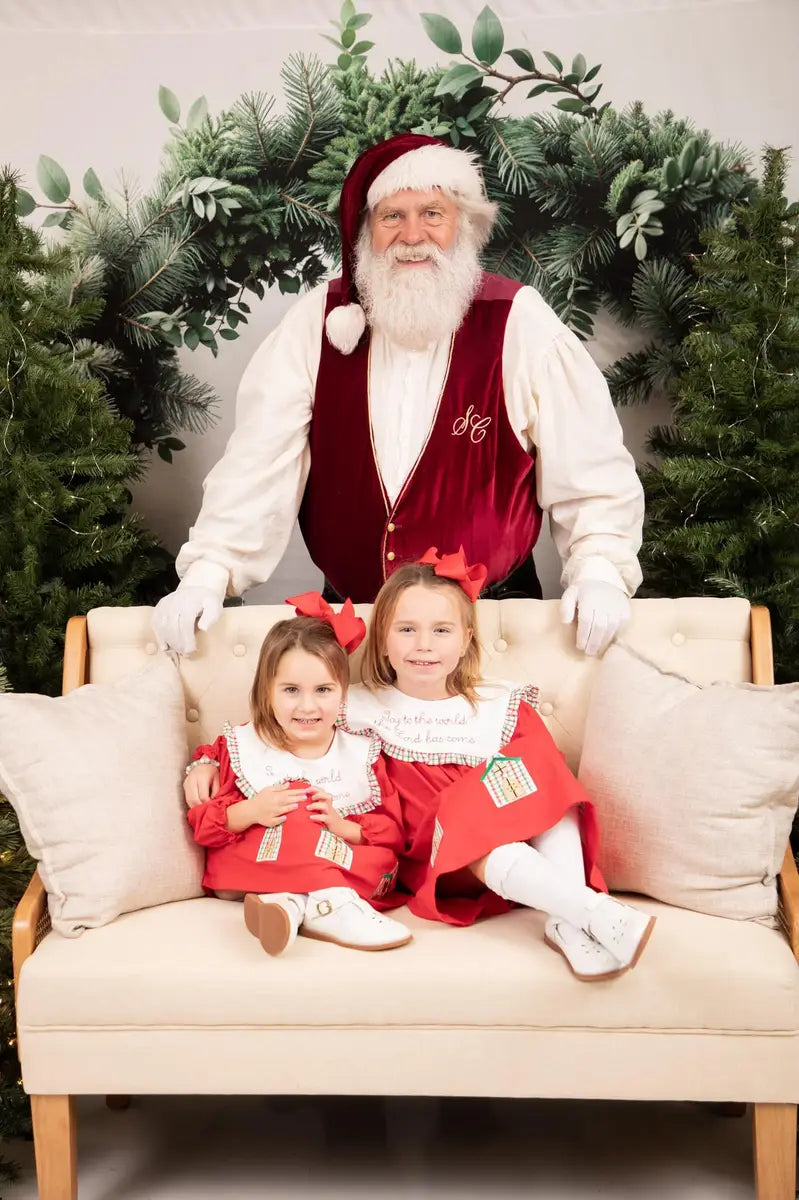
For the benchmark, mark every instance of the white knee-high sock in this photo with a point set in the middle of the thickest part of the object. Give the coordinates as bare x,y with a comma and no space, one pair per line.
521,874
563,847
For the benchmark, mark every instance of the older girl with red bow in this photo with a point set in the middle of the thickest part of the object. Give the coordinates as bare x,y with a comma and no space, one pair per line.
302,822
493,816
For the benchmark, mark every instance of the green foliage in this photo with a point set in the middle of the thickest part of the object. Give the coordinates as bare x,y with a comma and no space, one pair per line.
590,199
723,500
68,541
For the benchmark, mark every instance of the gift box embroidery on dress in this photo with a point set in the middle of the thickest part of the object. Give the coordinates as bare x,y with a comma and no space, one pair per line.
334,848
507,779
270,845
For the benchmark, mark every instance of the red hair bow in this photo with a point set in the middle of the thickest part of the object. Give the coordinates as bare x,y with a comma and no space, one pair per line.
349,629
455,566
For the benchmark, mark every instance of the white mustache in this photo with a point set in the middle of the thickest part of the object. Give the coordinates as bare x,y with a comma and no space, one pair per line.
423,253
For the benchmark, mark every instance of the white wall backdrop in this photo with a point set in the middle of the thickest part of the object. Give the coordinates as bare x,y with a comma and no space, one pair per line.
79,81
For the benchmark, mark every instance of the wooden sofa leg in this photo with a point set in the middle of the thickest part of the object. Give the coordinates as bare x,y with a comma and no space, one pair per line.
55,1144
117,1103
774,1132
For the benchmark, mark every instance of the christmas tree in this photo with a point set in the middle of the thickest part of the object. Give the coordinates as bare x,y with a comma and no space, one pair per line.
68,540
723,500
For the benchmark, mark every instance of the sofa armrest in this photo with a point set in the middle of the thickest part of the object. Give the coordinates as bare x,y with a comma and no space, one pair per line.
31,923
788,912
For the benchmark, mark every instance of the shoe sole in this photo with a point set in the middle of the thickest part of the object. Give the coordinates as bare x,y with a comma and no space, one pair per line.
321,937
577,974
269,923
642,944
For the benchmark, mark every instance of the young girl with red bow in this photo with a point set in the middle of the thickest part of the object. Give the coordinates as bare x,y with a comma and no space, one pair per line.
302,822
493,816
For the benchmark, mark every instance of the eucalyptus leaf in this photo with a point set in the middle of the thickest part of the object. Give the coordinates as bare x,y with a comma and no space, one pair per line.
589,75
197,114
348,38
523,58
25,203
361,48
359,20
344,62
644,197
458,80
688,156
540,88
92,186
169,104
52,179
480,109
640,247
164,452
570,104
347,12
210,208
579,66
624,222
553,58
199,207
56,218
191,338
628,236
442,33
288,285
229,335
172,336
488,40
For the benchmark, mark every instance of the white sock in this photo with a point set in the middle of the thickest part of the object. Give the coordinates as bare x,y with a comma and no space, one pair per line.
519,873
563,847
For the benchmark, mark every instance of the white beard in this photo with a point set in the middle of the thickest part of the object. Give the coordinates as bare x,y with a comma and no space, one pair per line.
416,306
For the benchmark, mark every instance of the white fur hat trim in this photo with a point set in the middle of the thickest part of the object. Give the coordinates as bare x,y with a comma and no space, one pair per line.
429,167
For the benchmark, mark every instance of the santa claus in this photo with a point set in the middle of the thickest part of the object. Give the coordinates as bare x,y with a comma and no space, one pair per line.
418,399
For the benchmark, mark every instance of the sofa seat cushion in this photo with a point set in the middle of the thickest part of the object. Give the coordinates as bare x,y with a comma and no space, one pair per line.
193,965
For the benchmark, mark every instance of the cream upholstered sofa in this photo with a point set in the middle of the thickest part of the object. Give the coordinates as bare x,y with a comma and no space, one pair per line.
178,999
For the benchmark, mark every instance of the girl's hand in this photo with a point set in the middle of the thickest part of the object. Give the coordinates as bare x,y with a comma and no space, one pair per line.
271,806
201,784
322,810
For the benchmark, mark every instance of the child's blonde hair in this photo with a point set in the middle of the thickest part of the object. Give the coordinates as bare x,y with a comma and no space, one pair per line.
313,636
376,670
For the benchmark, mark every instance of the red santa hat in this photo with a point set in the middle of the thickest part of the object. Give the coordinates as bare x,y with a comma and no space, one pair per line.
409,160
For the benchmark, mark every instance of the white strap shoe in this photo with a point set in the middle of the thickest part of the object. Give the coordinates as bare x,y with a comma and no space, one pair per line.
589,961
620,928
274,918
340,915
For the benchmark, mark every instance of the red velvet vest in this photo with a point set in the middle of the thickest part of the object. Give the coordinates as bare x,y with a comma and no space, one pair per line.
472,484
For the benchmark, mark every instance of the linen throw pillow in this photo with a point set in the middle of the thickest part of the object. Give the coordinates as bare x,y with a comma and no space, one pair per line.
695,786
95,779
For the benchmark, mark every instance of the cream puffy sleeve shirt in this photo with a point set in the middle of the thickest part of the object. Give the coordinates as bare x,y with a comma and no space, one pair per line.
557,401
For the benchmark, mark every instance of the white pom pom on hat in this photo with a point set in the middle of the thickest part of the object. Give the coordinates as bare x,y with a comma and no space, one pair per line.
409,160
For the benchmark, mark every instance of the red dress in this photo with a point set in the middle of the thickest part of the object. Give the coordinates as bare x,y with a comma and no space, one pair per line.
300,855
469,781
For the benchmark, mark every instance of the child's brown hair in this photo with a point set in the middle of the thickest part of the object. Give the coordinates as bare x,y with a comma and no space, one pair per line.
376,670
298,633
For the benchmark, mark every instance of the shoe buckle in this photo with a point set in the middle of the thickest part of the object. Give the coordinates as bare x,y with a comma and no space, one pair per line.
323,908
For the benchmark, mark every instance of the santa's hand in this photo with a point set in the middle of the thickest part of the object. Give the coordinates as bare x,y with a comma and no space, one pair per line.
602,612
174,617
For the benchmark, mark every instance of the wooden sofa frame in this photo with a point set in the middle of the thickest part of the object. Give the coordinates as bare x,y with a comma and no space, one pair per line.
54,1120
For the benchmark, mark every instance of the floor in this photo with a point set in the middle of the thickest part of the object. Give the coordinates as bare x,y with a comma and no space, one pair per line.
240,1148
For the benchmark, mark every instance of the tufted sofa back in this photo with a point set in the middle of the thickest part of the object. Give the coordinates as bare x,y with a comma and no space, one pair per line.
522,640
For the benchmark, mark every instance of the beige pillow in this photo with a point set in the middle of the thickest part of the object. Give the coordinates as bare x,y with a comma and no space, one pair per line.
95,779
695,786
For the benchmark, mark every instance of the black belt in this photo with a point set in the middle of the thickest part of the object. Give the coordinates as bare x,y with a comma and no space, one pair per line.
521,584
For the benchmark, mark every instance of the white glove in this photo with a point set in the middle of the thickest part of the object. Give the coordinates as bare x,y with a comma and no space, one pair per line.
175,615
602,610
